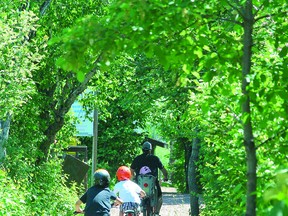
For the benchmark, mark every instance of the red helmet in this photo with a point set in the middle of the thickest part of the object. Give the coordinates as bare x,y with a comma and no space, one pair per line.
123,173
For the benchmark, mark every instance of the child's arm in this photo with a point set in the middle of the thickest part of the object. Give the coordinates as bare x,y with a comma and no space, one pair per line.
77,206
118,201
142,193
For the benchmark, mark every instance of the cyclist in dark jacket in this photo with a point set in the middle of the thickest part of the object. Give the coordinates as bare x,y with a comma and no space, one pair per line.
149,163
98,197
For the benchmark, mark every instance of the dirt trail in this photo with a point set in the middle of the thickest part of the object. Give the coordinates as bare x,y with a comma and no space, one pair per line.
174,204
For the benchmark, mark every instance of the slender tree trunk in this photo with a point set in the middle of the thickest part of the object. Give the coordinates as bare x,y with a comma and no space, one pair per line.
246,111
4,133
188,153
193,177
171,159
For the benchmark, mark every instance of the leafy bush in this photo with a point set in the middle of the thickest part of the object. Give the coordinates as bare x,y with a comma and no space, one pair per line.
32,189
223,179
45,193
49,194
12,196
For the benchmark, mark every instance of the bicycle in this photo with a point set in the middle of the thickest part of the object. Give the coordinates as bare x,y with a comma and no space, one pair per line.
149,203
131,212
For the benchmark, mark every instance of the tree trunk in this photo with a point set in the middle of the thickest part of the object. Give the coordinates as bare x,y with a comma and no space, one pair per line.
73,90
4,132
193,177
188,154
246,112
171,159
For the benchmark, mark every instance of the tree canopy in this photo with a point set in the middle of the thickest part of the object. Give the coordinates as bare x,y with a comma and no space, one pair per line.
211,76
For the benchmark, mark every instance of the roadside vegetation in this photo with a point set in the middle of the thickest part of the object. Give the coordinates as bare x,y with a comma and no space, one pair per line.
209,78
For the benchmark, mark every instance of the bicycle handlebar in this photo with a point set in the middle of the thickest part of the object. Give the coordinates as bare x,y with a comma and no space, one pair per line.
75,212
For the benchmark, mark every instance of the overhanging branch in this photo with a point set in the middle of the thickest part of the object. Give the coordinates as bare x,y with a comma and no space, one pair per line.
272,138
78,89
44,7
271,15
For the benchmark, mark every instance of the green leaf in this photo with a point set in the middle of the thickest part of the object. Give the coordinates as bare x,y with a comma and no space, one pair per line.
245,118
237,188
198,52
208,76
283,52
205,107
196,74
80,76
207,48
190,40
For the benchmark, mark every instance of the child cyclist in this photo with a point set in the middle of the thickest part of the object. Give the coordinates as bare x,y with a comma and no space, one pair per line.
98,197
129,192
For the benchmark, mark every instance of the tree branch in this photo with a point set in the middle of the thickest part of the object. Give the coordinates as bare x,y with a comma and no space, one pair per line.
233,21
79,89
60,112
258,9
272,138
271,15
44,7
241,13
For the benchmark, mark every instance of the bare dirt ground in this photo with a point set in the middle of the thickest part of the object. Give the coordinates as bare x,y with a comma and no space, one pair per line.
174,204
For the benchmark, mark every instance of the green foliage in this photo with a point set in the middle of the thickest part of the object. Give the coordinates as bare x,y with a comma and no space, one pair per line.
50,182
189,78
277,193
194,43
13,196
222,178
36,191
38,183
17,60
120,113
178,174
163,154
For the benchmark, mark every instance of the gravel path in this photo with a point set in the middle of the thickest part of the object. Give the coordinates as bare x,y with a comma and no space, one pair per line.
174,204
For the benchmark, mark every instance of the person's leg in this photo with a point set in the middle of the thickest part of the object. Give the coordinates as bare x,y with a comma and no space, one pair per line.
121,211
160,200
159,205
137,208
